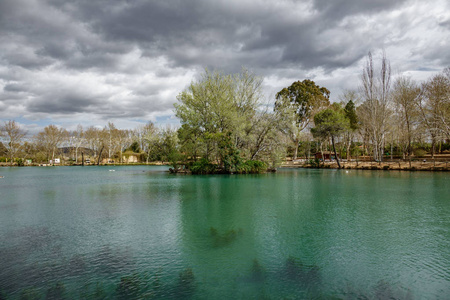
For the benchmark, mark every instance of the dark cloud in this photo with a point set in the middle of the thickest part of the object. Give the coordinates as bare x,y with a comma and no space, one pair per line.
129,59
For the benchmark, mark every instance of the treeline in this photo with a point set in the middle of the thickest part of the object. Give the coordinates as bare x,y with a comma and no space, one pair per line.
228,127
98,145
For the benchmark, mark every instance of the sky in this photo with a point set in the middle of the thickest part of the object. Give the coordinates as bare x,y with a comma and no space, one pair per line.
69,62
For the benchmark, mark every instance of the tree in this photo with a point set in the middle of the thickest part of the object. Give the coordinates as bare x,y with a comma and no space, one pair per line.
349,98
298,104
405,95
149,132
13,135
113,137
50,139
434,107
330,123
217,115
77,137
375,111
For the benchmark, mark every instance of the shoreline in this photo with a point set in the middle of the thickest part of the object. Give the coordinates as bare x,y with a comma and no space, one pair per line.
437,166
385,166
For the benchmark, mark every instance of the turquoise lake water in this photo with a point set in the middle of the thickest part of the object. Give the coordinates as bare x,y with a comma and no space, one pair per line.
141,233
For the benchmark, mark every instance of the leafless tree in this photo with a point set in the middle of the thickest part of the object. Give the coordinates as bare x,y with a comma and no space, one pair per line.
13,135
376,109
50,139
405,96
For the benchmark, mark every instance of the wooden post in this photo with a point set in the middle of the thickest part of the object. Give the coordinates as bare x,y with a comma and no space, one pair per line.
82,158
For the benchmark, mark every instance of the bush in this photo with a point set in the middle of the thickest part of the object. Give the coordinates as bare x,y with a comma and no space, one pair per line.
203,166
419,152
315,163
252,167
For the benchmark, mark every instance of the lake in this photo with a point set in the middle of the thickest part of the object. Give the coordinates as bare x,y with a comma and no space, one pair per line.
140,233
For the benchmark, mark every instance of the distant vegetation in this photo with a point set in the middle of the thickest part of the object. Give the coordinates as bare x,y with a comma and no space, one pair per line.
227,127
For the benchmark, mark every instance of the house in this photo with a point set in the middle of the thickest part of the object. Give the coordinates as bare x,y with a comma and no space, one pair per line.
327,155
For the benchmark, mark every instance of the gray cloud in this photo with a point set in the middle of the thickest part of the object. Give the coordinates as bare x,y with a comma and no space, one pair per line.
127,60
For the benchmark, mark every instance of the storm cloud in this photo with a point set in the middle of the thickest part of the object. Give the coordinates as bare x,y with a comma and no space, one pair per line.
89,62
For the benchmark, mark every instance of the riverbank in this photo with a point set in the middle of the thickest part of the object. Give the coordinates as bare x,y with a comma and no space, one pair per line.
365,165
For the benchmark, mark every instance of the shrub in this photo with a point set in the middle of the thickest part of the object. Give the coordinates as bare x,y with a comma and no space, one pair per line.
252,167
315,163
20,162
419,152
203,166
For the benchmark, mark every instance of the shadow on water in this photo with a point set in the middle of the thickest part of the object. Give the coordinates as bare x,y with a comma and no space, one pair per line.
30,294
303,274
113,261
224,239
98,292
381,291
186,284
56,292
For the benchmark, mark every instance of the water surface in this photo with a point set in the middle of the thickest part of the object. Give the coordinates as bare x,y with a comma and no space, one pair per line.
139,232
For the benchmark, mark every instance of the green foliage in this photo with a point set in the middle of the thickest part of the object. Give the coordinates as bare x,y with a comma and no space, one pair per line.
175,158
302,98
419,152
203,166
350,114
20,162
315,163
329,122
252,167
134,147
221,121
3,159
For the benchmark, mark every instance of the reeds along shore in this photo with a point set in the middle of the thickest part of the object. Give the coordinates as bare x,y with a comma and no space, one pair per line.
365,165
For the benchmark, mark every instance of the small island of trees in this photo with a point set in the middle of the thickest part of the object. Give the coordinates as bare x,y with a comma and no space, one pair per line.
228,126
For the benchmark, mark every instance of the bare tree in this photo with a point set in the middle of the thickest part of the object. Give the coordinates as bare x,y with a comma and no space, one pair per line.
123,140
434,106
150,134
376,110
50,139
13,135
78,139
405,95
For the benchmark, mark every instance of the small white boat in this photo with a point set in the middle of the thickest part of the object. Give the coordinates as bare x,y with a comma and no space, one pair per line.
112,170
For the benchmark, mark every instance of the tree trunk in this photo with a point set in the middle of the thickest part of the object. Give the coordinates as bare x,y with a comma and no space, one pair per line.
295,149
335,154
100,155
82,158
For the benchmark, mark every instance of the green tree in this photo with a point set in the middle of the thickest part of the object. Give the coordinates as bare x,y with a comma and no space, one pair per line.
219,117
350,114
298,104
330,123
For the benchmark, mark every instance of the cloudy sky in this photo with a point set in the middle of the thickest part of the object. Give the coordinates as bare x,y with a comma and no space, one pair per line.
67,62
